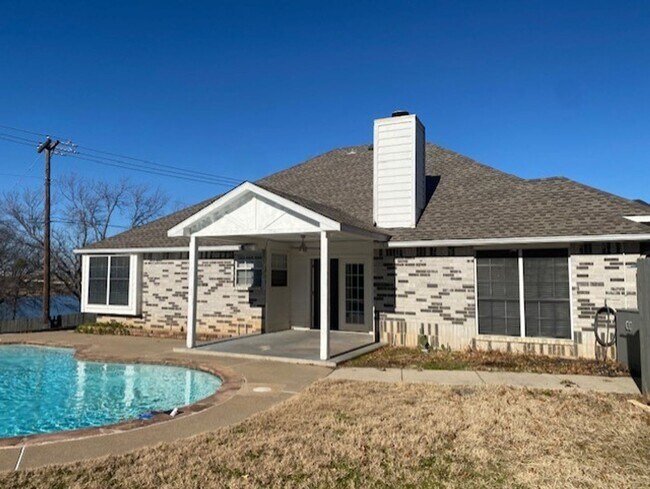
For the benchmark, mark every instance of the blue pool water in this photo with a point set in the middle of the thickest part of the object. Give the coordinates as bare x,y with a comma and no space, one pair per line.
46,389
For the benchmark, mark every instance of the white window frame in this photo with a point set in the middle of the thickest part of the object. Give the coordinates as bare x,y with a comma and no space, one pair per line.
133,306
247,261
522,316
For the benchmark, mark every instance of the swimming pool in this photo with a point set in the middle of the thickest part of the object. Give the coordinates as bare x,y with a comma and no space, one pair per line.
45,389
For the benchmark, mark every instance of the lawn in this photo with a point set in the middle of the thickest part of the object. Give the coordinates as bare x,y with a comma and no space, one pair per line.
347,434
401,357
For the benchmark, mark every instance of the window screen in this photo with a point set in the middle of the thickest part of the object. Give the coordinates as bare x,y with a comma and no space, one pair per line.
354,292
97,280
547,294
119,280
497,275
278,270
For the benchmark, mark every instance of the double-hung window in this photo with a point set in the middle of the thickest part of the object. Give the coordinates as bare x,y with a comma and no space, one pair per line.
546,293
109,279
248,271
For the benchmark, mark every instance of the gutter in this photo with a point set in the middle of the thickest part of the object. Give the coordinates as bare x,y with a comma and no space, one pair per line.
517,241
169,249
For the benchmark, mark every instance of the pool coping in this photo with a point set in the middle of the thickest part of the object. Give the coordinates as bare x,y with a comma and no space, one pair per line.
231,383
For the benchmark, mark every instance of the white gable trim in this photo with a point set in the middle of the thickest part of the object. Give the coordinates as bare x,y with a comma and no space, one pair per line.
184,228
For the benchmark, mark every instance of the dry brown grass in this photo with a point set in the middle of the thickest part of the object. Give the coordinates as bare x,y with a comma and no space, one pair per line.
402,357
345,434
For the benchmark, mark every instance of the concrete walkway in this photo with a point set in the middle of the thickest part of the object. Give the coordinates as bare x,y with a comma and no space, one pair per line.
617,385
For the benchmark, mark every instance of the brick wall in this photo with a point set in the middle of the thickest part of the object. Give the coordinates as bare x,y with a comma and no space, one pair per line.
600,272
432,291
428,290
223,310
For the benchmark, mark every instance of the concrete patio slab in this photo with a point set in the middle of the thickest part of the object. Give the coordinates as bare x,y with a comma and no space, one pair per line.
292,346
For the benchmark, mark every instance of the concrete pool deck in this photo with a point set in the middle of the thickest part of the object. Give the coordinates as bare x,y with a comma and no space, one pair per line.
280,380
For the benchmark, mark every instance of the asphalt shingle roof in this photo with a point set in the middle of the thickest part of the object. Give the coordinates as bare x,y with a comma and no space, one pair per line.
467,200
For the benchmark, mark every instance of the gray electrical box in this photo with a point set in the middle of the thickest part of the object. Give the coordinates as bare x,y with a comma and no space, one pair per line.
628,340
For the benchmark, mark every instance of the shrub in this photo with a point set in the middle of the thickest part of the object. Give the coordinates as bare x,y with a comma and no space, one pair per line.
112,327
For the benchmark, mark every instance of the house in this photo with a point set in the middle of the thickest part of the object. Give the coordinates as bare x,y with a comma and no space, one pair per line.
399,238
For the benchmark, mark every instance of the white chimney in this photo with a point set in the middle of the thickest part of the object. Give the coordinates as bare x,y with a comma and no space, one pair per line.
399,174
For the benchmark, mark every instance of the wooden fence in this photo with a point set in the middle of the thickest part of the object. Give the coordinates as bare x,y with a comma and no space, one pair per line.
30,325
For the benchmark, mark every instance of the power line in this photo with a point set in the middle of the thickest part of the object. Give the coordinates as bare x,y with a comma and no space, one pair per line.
149,163
20,138
33,133
148,171
182,173
172,171
31,145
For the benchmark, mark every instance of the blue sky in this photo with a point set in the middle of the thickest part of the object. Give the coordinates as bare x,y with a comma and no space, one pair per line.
242,89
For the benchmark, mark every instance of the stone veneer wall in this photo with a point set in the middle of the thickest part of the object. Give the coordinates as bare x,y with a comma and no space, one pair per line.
222,310
425,290
432,291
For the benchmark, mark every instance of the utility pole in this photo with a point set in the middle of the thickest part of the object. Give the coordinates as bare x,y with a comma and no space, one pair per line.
48,146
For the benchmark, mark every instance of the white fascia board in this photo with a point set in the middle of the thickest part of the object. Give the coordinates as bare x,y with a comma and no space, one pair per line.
513,241
639,219
170,249
182,229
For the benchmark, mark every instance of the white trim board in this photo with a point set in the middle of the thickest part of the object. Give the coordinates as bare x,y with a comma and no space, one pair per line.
161,249
517,241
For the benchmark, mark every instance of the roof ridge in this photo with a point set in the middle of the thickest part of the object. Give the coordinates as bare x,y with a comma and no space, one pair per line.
596,190
306,162
476,162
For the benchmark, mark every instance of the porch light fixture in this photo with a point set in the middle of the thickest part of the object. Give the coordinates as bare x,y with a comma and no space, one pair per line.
303,247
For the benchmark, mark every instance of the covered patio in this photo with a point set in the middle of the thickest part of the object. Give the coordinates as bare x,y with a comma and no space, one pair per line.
313,266
293,346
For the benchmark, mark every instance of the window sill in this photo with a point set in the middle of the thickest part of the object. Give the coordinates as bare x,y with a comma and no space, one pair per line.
525,339
113,310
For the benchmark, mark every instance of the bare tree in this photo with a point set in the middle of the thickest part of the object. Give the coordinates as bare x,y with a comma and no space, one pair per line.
16,271
84,211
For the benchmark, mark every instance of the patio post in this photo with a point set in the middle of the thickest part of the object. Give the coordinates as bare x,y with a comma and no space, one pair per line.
324,297
191,292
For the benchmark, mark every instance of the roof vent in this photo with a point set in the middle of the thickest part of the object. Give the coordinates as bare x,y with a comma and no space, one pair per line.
399,113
